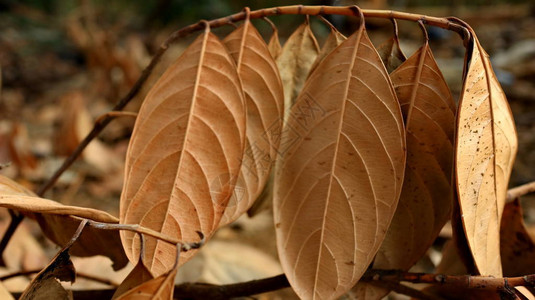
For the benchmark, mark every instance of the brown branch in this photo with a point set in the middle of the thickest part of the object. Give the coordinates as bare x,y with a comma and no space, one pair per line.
78,274
150,232
385,278
405,290
116,114
520,191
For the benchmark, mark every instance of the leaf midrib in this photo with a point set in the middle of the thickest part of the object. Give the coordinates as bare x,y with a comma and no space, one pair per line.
335,156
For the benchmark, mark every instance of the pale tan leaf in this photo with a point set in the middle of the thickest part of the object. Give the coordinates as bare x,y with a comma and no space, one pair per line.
524,292
486,146
185,152
4,293
274,44
516,245
334,39
338,183
17,197
264,98
160,288
59,222
38,205
294,62
391,54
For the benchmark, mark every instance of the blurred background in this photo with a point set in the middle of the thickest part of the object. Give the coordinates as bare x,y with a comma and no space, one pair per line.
66,62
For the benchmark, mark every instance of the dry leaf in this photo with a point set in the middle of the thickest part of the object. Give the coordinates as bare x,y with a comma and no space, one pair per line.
294,62
222,262
58,224
76,123
264,98
46,285
160,288
274,44
185,152
391,54
516,245
17,197
139,275
425,202
523,291
334,39
486,146
338,183
426,197
4,293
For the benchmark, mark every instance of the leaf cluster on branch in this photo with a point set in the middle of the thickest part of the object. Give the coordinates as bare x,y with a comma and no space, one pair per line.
363,152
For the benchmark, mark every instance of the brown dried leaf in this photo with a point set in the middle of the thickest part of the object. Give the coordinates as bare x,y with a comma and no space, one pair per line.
274,44
17,197
334,39
516,245
294,62
185,152
524,293
59,222
161,288
135,278
46,285
486,146
264,98
76,123
391,54
4,293
340,177
426,197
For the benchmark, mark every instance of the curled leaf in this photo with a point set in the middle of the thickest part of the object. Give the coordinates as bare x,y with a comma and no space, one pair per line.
59,222
391,54
46,285
486,146
338,183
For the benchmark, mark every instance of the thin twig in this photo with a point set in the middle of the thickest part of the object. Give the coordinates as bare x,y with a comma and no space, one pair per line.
521,190
209,291
115,114
78,274
405,290
147,231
